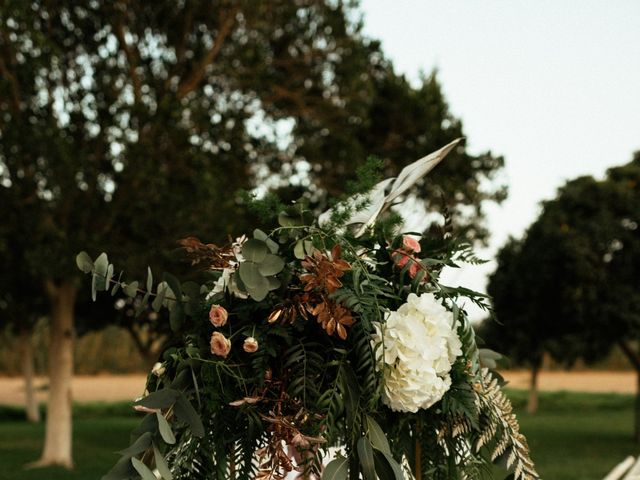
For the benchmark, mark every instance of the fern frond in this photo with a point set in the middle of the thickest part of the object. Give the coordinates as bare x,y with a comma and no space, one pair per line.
500,429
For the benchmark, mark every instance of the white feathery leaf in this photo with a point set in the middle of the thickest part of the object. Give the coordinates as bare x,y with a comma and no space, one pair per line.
378,199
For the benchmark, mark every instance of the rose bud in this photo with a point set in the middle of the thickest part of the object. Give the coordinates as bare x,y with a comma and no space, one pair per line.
220,345
218,316
158,369
410,244
250,345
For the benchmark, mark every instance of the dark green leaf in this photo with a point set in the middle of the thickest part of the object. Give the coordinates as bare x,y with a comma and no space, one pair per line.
143,470
159,399
84,262
165,429
142,443
337,469
365,455
187,414
350,392
176,317
386,467
122,470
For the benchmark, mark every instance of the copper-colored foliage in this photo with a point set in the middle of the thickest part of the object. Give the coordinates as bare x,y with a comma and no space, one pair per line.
286,441
207,255
290,309
322,279
333,318
324,273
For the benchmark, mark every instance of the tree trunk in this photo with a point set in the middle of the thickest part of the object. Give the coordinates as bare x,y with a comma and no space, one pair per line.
58,434
31,403
532,404
634,359
636,423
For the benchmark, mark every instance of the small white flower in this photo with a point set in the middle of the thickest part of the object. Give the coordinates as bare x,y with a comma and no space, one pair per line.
420,344
227,282
158,369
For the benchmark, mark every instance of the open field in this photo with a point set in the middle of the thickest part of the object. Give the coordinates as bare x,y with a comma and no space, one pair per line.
112,388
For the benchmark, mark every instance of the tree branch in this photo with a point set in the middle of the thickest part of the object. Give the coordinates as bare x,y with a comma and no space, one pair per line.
132,59
13,81
192,81
633,356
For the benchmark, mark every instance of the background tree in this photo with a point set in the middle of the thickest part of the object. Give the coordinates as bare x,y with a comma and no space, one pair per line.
570,286
126,125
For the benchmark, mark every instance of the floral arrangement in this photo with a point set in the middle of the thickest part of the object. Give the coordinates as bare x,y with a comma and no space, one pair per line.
327,348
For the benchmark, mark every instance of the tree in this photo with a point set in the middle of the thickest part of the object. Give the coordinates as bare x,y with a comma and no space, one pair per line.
20,308
112,113
570,286
531,318
598,220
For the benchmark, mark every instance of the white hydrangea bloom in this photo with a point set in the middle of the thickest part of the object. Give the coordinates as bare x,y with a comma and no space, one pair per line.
420,344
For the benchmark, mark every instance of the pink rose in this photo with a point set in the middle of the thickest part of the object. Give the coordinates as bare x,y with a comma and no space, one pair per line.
218,316
250,345
410,244
220,345
401,258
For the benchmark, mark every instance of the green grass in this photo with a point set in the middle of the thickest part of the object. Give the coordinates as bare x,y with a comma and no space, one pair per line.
574,436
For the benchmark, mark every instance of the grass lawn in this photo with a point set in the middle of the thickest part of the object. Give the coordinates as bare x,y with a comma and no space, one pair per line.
574,436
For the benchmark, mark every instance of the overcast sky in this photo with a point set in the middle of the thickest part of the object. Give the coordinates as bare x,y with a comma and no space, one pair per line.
552,85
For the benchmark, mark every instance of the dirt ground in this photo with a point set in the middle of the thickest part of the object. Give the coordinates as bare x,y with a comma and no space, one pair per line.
109,388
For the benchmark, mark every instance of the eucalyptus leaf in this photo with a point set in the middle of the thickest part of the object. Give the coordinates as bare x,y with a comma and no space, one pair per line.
121,470
161,464
84,262
286,221
271,265
174,285
143,470
160,296
131,289
187,414
274,283
101,268
259,292
260,235
337,469
250,275
386,467
254,250
142,443
376,435
365,456
149,280
176,317
298,250
159,399
165,429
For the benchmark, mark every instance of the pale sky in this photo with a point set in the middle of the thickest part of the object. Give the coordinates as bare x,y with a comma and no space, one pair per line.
552,85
